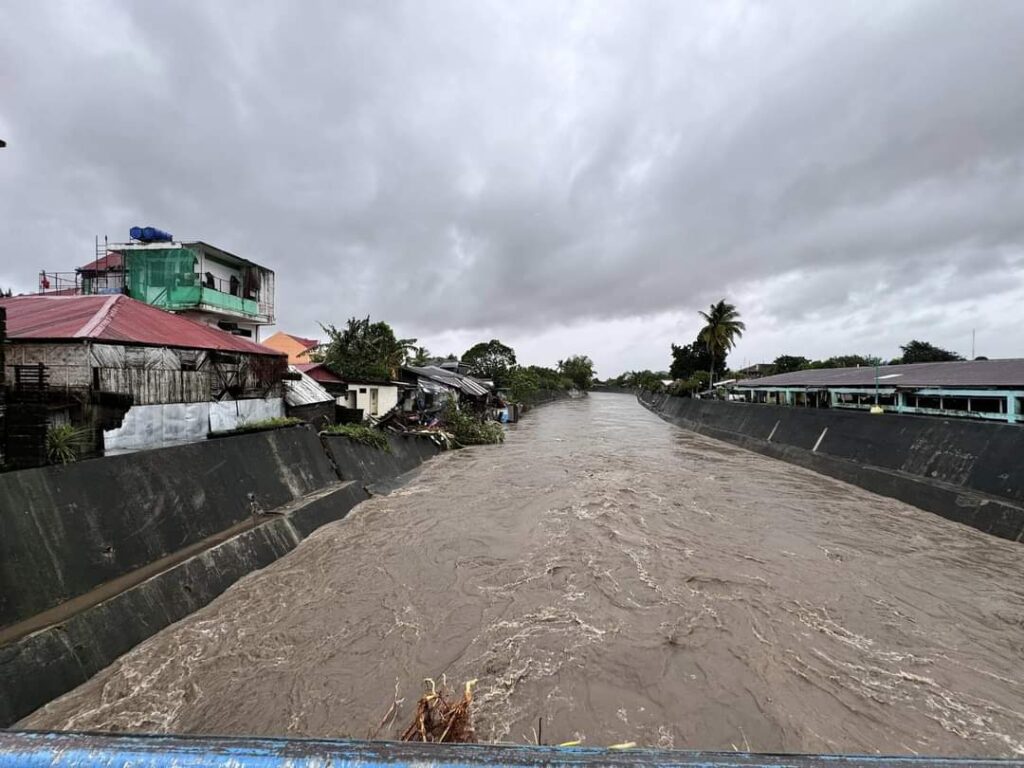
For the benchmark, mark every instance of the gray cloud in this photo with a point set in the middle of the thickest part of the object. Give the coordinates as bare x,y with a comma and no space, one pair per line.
468,168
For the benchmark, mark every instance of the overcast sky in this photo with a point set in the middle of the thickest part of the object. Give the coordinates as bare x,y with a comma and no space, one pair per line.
568,177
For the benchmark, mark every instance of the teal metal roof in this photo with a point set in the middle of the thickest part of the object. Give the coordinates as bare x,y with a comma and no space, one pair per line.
968,373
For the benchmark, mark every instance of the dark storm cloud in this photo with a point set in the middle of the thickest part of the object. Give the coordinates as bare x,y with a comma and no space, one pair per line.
479,165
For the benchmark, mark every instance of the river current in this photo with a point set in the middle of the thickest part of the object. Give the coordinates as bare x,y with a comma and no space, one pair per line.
620,579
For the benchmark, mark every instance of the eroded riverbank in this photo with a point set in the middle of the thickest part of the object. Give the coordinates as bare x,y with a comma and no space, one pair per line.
625,580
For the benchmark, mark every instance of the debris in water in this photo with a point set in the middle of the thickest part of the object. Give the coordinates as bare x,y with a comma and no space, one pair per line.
439,719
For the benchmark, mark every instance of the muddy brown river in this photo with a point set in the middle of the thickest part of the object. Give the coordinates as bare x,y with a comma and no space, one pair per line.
621,579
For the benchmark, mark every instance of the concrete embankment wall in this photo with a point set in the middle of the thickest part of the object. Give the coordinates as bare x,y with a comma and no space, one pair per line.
965,471
368,465
115,549
66,529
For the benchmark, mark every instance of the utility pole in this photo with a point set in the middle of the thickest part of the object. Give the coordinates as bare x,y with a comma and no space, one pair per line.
972,343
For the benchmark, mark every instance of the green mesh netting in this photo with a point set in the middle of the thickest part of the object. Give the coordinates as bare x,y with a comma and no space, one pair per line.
167,277
164,277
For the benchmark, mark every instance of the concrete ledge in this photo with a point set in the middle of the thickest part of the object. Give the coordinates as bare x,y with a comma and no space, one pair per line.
327,509
942,462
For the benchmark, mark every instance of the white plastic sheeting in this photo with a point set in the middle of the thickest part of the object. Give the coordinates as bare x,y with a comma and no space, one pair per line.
157,426
231,414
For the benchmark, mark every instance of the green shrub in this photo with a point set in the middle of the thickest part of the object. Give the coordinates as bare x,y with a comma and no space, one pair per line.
469,429
361,434
258,426
64,443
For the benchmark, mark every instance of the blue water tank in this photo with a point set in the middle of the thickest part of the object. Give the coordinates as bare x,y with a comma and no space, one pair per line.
150,235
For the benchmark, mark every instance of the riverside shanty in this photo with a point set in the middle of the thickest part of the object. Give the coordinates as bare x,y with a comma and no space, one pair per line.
156,342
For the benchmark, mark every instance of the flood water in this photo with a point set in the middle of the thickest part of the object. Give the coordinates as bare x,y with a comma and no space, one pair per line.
622,579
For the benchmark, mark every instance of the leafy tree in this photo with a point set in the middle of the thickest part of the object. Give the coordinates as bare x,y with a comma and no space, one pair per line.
470,429
690,358
364,349
523,384
696,383
580,369
492,360
420,356
549,378
923,352
848,361
649,380
722,326
790,363
526,383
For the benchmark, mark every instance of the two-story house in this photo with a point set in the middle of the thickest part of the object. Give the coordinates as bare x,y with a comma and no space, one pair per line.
190,278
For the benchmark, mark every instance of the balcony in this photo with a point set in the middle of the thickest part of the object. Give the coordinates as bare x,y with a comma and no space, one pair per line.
210,297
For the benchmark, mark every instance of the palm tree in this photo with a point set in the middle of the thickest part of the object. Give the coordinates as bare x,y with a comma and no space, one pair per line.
721,329
419,356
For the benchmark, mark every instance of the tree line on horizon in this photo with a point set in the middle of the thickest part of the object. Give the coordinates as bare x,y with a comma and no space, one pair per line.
695,366
367,349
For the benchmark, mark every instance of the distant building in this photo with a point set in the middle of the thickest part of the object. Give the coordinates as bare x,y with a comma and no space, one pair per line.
137,376
756,371
374,397
436,385
297,348
991,390
323,375
307,399
456,366
331,381
192,278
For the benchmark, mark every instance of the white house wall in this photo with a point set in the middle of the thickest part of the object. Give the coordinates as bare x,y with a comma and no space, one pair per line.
387,397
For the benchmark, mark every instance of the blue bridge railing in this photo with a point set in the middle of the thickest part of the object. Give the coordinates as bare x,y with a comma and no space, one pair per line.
35,749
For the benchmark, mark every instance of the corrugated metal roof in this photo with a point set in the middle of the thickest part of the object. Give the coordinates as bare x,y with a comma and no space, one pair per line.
307,343
305,391
320,372
968,373
450,378
115,319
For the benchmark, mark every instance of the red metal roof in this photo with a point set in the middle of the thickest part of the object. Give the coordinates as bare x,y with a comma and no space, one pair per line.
319,372
115,319
307,343
112,261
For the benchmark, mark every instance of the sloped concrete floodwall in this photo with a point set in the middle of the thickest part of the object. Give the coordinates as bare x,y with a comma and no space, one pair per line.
368,465
76,531
965,471
66,529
